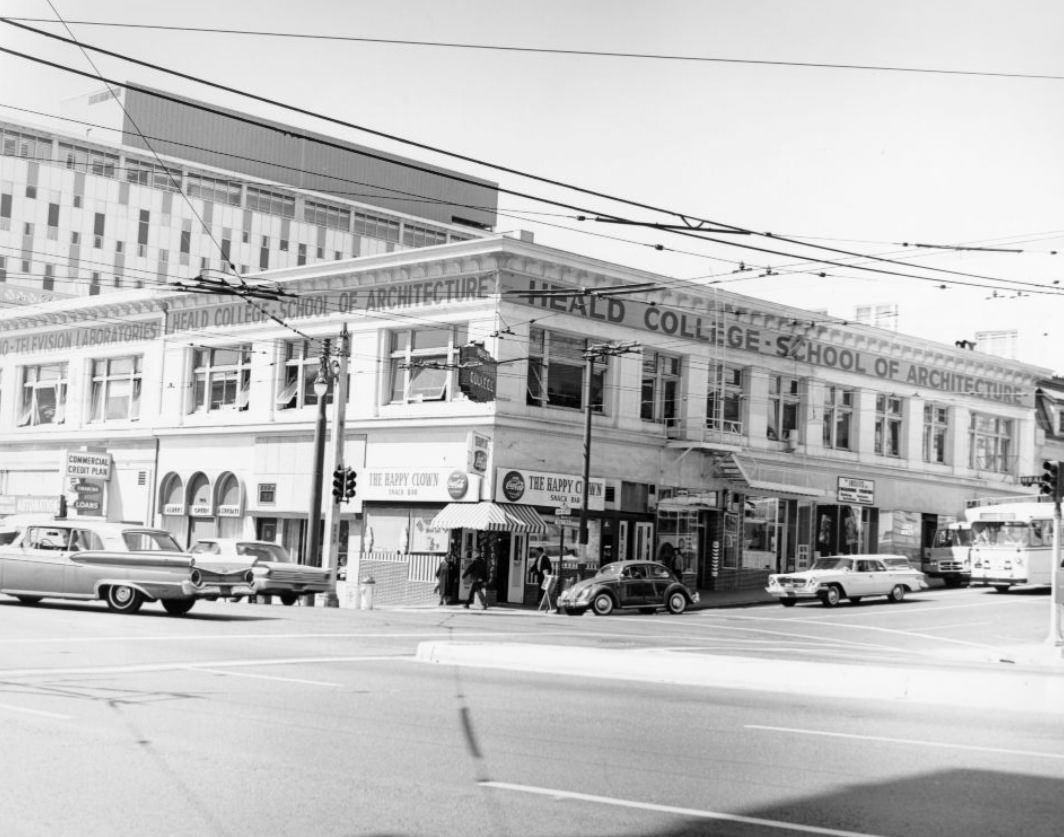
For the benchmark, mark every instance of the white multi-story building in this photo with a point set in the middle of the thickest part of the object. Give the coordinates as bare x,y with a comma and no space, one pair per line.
744,434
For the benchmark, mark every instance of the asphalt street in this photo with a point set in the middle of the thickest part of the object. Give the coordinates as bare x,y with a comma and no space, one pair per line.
246,719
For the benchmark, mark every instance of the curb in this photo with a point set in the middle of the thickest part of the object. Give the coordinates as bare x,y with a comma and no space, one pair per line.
1039,691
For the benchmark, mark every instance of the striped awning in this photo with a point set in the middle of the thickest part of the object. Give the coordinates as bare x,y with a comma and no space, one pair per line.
489,517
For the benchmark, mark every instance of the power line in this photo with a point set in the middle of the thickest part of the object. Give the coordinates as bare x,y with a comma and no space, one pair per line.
686,218
581,53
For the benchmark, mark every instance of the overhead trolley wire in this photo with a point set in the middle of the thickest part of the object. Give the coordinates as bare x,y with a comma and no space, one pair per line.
579,53
686,218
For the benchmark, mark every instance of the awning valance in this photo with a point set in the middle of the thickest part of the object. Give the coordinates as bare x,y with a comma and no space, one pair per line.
489,517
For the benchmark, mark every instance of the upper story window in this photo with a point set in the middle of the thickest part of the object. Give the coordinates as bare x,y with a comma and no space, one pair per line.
888,425
784,405
212,189
116,385
415,236
86,159
22,144
376,226
936,426
221,378
423,363
274,203
660,391
149,174
326,215
556,370
990,443
44,391
838,417
725,398
302,362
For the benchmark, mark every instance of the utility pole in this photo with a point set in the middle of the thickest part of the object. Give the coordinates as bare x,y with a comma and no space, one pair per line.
321,388
591,354
331,553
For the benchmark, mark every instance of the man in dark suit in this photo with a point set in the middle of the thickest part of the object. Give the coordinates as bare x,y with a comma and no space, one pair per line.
476,572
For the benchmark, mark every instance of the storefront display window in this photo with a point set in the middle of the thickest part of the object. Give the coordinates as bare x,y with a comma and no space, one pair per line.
679,537
403,529
761,532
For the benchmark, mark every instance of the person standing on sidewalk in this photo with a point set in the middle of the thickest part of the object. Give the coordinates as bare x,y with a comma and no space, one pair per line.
443,578
476,573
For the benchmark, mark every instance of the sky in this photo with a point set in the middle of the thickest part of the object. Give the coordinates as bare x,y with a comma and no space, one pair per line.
954,138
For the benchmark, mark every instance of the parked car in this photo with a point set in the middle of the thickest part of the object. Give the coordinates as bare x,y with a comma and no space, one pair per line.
276,574
642,585
123,565
901,564
850,577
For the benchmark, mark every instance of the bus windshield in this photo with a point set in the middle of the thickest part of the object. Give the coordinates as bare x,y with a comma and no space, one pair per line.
952,537
1010,533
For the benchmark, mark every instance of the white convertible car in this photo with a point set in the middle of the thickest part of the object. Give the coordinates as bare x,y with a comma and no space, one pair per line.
850,577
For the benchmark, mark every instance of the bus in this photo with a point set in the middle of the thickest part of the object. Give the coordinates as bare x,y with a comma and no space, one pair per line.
1012,542
948,557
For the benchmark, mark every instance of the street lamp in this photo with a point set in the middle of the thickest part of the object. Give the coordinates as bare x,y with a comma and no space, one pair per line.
321,387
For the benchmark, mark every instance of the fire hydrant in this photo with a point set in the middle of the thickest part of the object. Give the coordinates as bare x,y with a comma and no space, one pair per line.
365,593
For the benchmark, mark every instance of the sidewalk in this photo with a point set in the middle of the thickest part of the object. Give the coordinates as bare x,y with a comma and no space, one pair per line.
1039,690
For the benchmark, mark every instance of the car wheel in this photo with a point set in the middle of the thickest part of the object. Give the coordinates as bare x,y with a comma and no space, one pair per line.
788,602
676,603
28,599
288,599
122,598
855,599
831,596
897,593
952,582
602,604
178,607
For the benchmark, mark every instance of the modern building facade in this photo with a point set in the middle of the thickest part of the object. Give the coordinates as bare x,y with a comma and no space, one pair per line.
80,216
746,436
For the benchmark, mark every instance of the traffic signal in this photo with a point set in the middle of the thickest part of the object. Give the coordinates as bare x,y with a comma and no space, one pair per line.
338,484
350,483
1049,484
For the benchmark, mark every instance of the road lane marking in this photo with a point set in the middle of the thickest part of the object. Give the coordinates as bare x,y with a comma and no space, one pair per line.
671,809
40,712
262,676
217,637
944,745
145,668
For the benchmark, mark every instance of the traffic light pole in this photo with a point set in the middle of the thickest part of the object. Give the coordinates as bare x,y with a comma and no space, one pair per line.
313,541
1055,605
331,553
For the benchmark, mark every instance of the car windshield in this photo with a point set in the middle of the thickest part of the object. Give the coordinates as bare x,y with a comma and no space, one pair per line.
832,564
145,541
263,551
8,537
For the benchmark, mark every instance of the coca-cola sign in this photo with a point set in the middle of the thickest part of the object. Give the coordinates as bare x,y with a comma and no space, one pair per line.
513,486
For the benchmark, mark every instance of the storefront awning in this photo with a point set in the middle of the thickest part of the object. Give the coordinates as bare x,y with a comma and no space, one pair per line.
489,517
769,478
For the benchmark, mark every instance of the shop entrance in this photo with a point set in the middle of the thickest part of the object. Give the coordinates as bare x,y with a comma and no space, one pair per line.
504,558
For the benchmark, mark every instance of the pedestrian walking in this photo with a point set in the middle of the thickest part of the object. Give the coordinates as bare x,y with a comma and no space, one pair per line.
476,572
443,578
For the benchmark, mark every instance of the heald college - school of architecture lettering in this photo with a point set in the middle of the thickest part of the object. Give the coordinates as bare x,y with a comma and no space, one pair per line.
744,435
